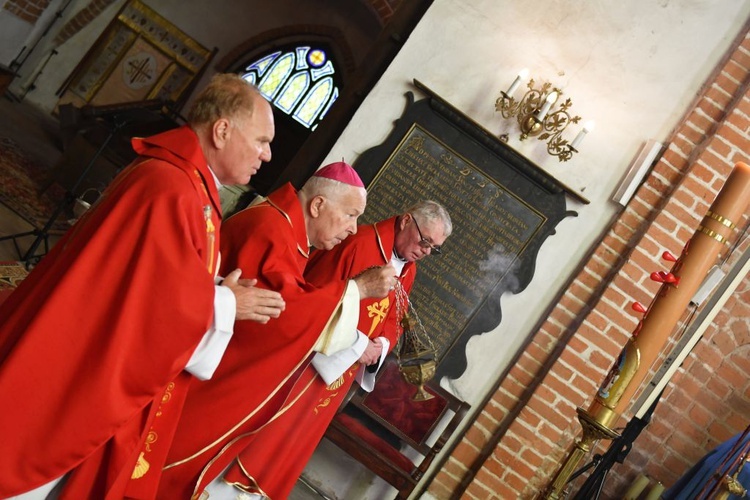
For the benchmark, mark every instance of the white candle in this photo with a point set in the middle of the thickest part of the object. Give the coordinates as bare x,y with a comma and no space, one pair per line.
548,102
521,77
588,127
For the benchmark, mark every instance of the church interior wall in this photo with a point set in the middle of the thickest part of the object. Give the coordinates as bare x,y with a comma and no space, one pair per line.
608,85
591,329
642,71
612,61
225,28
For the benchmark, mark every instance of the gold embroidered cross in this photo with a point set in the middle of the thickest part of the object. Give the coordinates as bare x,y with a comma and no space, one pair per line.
378,313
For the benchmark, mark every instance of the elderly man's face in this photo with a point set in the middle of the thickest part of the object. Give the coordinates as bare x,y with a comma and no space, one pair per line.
247,145
337,218
415,241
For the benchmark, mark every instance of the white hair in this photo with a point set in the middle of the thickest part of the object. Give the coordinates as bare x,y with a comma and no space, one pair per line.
429,212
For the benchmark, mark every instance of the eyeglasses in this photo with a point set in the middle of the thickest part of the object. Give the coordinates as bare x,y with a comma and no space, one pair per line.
423,241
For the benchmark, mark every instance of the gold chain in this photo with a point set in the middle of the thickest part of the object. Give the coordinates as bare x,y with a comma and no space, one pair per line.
404,305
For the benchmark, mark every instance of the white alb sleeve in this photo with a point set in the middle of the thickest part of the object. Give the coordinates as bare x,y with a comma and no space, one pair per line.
208,354
364,377
341,330
331,367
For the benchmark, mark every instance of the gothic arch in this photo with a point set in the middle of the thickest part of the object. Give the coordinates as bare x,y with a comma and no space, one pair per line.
268,40
290,135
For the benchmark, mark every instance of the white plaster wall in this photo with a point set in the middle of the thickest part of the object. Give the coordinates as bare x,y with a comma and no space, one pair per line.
634,67
12,33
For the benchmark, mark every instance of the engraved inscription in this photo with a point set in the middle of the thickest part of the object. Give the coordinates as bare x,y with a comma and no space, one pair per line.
491,228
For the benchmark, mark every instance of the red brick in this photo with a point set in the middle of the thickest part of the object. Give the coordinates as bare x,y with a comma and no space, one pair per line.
549,413
719,96
485,482
692,135
734,138
442,487
713,111
465,454
675,158
727,84
476,437
732,376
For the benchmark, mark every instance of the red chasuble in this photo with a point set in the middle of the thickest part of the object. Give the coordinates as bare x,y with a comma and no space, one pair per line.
274,460
109,317
262,362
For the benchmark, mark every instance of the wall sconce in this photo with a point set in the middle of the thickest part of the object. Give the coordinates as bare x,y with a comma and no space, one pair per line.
536,116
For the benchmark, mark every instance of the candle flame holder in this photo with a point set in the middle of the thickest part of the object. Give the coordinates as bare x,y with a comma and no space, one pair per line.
537,117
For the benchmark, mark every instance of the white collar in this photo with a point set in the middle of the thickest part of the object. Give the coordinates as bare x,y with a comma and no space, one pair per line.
216,179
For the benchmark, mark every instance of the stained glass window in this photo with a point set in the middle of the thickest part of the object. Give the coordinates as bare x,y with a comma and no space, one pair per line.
299,81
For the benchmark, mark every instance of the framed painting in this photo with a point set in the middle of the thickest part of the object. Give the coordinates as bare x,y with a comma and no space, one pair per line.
140,56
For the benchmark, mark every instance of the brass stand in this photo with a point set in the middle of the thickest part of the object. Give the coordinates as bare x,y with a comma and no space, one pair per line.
652,332
593,431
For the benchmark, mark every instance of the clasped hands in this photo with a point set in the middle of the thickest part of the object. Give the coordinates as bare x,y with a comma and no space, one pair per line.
253,303
372,353
260,305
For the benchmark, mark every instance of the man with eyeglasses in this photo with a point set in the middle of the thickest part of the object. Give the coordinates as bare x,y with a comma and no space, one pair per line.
272,463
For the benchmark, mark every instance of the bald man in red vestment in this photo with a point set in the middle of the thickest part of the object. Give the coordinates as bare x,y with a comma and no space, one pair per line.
263,362
270,465
126,302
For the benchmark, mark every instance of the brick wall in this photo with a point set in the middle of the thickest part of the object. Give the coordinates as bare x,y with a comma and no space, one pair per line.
28,10
707,402
530,422
384,9
82,18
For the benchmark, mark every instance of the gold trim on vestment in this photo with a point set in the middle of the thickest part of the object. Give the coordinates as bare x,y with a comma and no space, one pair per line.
241,422
386,257
281,411
142,466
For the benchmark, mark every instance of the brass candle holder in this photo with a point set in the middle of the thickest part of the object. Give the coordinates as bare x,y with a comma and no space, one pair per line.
537,116
653,330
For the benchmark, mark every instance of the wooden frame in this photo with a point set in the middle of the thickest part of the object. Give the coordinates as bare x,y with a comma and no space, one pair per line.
371,432
140,56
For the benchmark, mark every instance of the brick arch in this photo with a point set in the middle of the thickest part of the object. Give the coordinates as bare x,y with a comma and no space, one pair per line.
733,376
28,10
270,39
82,18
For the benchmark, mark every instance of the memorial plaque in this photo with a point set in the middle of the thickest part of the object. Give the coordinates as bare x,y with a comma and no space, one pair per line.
491,229
502,208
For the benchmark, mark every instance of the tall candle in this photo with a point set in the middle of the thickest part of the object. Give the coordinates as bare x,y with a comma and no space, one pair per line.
588,127
521,77
712,235
548,102
636,488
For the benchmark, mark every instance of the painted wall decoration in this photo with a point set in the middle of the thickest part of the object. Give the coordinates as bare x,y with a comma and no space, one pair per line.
140,56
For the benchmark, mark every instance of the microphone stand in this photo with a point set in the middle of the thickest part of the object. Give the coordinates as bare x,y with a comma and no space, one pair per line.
616,453
42,235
